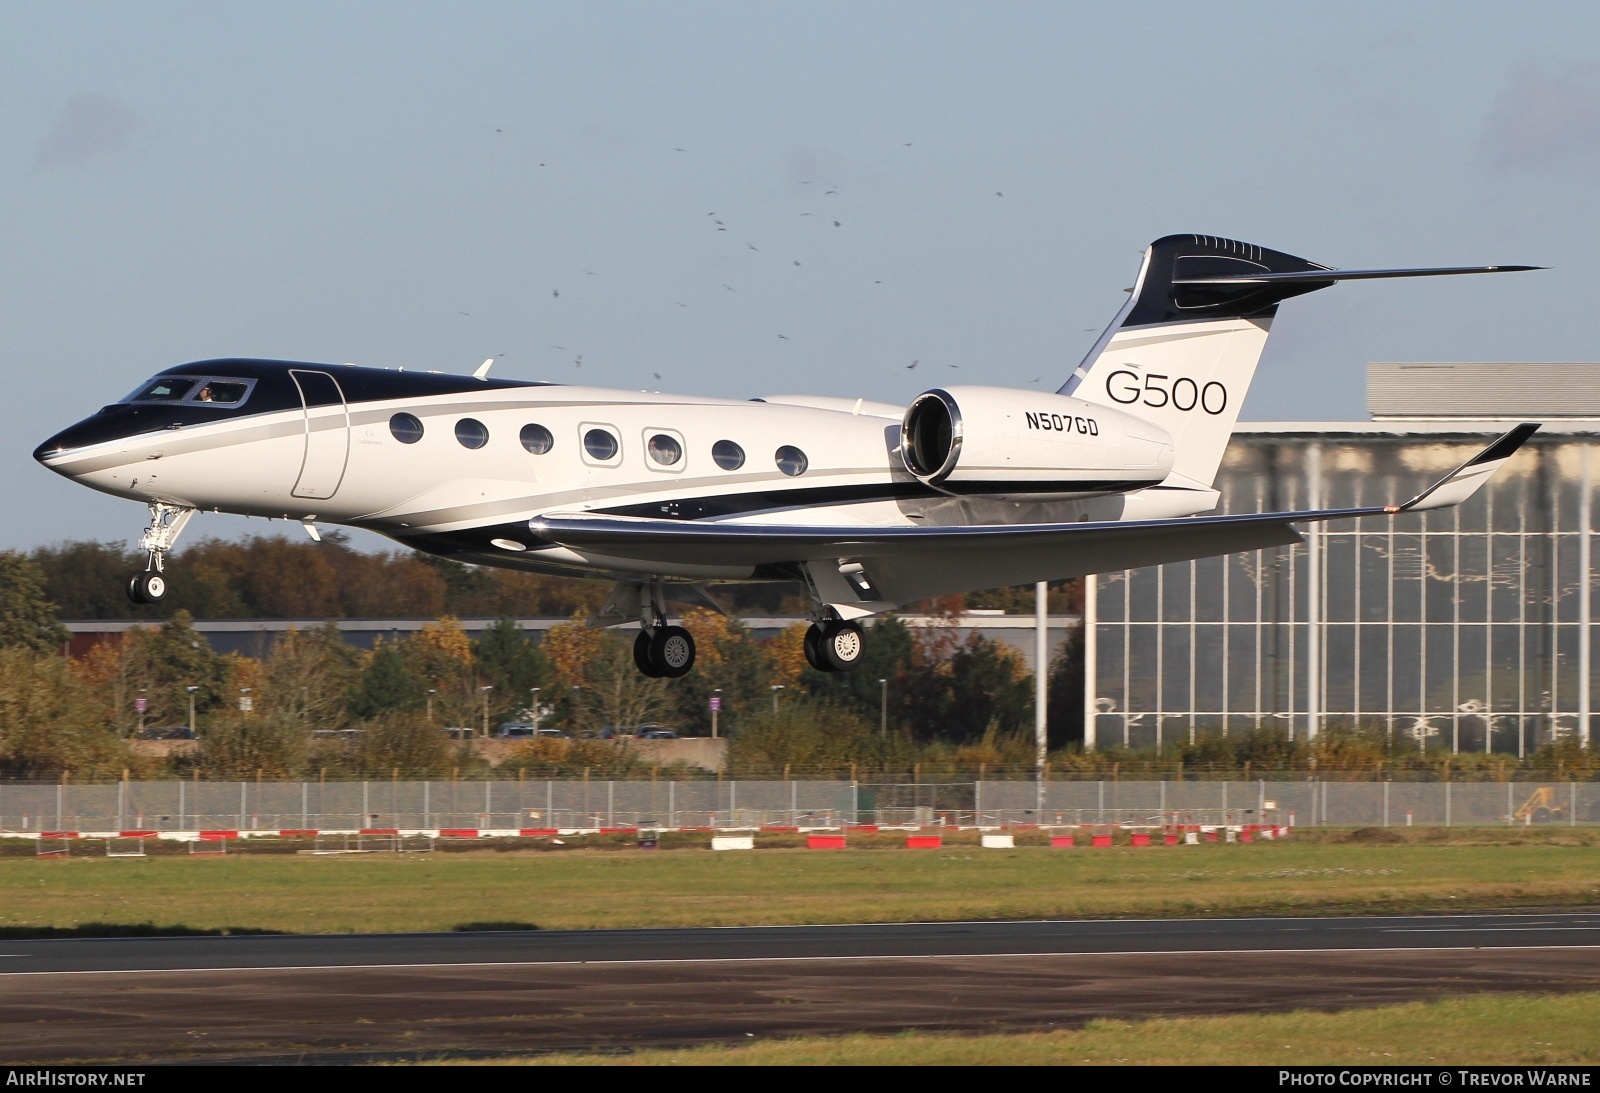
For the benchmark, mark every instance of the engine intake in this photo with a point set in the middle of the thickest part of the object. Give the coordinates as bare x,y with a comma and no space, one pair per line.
997,440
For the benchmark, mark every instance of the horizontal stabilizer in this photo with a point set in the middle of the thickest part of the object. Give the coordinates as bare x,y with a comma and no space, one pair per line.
1326,276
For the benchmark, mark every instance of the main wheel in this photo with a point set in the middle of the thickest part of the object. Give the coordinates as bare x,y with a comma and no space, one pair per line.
641,655
841,644
672,652
814,655
147,587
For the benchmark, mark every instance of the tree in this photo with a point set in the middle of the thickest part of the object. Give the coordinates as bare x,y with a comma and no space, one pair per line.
309,676
729,660
386,684
246,746
50,722
403,741
508,661
27,617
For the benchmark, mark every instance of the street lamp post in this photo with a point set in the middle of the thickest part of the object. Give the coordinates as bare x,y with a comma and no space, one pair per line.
776,687
716,708
486,689
533,693
883,707
430,704
191,691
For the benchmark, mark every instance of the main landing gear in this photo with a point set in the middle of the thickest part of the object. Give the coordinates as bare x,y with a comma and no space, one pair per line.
662,650
834,645
166,521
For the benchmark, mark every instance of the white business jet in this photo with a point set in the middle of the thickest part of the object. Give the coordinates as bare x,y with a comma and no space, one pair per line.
869,505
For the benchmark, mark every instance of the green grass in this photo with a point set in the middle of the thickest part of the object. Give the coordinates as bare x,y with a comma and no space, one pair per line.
578,888
1553,1030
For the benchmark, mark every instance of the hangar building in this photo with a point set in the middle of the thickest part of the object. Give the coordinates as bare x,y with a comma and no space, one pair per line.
1466,628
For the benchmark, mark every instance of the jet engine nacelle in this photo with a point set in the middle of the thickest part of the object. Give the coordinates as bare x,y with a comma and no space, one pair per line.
997,439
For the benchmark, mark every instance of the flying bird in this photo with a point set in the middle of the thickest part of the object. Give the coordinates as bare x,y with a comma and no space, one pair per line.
782,337
556,292
913,364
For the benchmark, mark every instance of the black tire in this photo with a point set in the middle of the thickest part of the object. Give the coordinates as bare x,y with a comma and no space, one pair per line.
672,652
641,655
814,649
841,645
147,587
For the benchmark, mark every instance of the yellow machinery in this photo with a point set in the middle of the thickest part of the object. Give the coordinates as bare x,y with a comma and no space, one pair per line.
1541,807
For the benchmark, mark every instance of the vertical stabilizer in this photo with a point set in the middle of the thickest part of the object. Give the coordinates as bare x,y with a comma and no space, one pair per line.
1184,348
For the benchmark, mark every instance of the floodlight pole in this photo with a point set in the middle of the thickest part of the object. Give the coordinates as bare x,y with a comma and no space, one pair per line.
1041,675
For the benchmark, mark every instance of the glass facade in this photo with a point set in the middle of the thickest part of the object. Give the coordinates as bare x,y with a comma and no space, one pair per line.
1464,628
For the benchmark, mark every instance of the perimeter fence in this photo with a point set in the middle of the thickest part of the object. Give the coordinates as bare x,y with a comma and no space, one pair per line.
30,808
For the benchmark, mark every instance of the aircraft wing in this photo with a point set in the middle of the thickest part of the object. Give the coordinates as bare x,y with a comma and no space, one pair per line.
899,564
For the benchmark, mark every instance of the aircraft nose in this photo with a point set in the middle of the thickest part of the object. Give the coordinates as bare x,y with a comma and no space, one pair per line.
55,446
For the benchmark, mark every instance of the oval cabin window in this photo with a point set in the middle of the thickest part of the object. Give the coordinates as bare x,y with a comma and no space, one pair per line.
405,428
537,439
791,460
600,444
664,450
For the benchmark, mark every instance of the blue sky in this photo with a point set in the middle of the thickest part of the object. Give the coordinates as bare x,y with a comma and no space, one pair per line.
409,184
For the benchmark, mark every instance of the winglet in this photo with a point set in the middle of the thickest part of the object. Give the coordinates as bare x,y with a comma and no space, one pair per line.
1464,481
483,370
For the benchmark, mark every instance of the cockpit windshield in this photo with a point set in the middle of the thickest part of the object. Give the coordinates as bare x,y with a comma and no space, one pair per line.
165,389
193,390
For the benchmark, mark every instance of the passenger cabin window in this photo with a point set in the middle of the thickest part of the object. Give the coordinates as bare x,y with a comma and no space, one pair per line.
664,450
727,455
471,433
405,428
537,439
600,445
791,460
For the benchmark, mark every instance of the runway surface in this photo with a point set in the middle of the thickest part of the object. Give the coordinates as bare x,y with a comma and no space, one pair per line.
277,999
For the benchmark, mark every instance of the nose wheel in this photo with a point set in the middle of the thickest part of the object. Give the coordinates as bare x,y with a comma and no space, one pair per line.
166,521
147,587
835,645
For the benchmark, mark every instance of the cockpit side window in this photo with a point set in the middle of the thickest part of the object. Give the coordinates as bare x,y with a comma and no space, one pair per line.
222,392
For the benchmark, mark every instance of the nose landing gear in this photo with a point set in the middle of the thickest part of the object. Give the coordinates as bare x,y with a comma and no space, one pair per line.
166,522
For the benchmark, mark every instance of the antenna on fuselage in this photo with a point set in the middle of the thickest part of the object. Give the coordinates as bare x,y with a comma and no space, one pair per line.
483,370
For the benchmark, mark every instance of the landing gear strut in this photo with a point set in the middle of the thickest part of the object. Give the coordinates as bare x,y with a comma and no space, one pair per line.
166,522
661,651
834,645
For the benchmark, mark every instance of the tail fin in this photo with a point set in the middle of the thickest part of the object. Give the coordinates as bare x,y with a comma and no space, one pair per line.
1183,349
